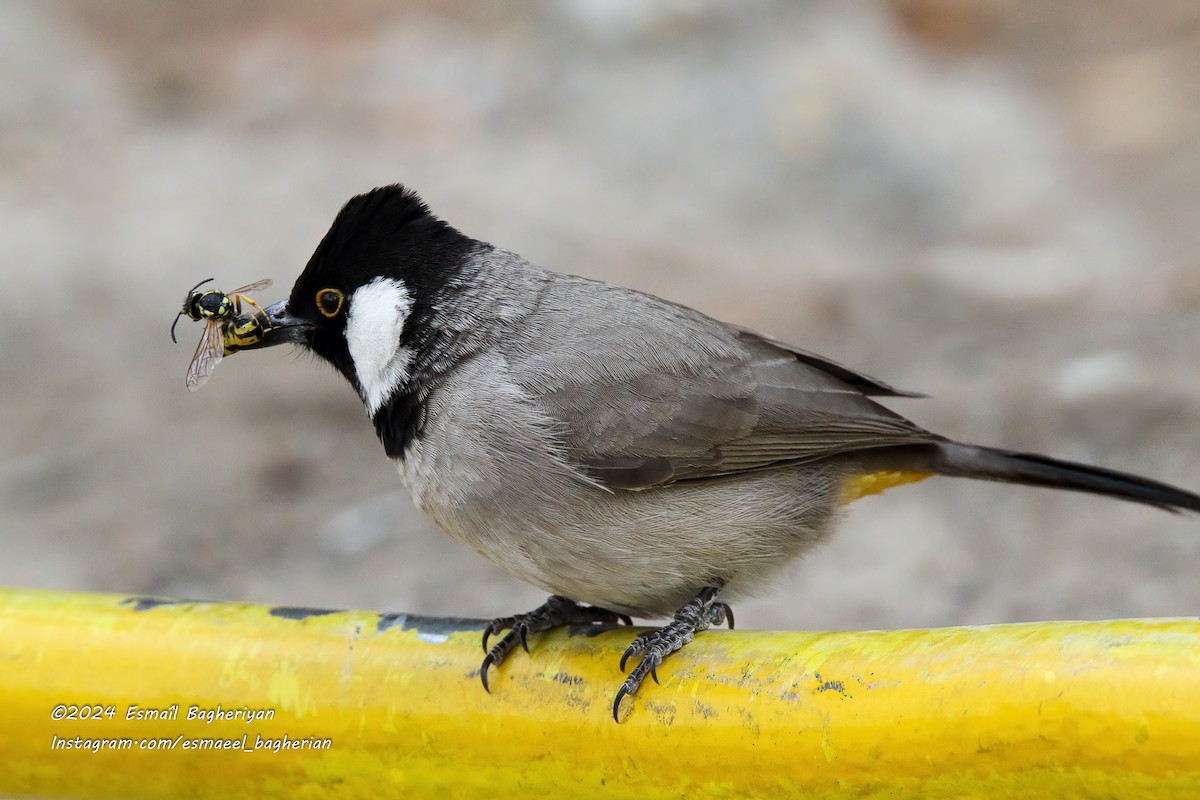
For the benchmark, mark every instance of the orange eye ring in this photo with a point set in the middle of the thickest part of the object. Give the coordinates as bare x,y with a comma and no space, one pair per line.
330,302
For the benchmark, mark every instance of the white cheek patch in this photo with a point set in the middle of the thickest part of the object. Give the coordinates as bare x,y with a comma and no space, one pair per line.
375,321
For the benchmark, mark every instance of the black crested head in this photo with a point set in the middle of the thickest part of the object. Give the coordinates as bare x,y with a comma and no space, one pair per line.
387,236
387,232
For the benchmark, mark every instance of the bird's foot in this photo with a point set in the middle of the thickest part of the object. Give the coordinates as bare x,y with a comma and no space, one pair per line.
696,615
556,612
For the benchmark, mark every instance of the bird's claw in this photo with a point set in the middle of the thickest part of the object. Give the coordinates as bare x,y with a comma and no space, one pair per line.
556,612
632,650
496,656
483,672
696,615
652,647
647,666
617,703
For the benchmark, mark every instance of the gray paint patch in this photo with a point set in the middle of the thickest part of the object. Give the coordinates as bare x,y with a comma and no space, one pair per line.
299,612
147,603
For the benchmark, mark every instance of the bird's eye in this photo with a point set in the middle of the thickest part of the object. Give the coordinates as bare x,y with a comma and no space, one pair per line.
330,302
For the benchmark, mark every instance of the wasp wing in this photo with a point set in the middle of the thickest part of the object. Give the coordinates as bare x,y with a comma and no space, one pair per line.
208,354
252,287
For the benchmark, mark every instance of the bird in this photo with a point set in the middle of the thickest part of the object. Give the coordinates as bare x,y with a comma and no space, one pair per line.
632,456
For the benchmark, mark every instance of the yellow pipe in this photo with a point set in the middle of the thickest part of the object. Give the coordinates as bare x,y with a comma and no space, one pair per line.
1060,709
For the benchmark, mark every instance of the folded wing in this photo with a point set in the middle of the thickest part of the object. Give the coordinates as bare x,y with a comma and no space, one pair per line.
649,393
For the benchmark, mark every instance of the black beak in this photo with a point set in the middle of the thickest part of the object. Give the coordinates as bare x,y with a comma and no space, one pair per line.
281,328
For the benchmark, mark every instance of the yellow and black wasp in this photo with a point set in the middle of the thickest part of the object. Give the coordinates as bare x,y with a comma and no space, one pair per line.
224,332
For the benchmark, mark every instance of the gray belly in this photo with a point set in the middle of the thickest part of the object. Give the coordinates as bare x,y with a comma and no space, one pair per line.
489,473
643,553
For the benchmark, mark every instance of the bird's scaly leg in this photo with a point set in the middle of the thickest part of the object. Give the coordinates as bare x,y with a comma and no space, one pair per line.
697,615
556,612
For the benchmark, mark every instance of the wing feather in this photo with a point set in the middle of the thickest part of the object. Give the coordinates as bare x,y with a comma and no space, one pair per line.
652,393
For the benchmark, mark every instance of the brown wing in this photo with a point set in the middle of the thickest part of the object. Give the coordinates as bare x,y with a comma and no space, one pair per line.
651,393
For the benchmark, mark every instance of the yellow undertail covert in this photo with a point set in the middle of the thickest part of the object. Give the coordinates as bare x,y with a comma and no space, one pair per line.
860,486
379,705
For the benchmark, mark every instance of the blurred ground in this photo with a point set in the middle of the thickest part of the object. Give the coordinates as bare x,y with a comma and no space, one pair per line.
994,203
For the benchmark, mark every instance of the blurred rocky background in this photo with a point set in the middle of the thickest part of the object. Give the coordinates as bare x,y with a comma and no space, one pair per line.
995,203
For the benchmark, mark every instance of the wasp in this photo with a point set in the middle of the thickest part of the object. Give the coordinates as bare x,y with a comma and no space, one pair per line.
224,330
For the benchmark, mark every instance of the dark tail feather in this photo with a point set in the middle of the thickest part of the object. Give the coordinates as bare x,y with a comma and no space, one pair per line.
987,463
